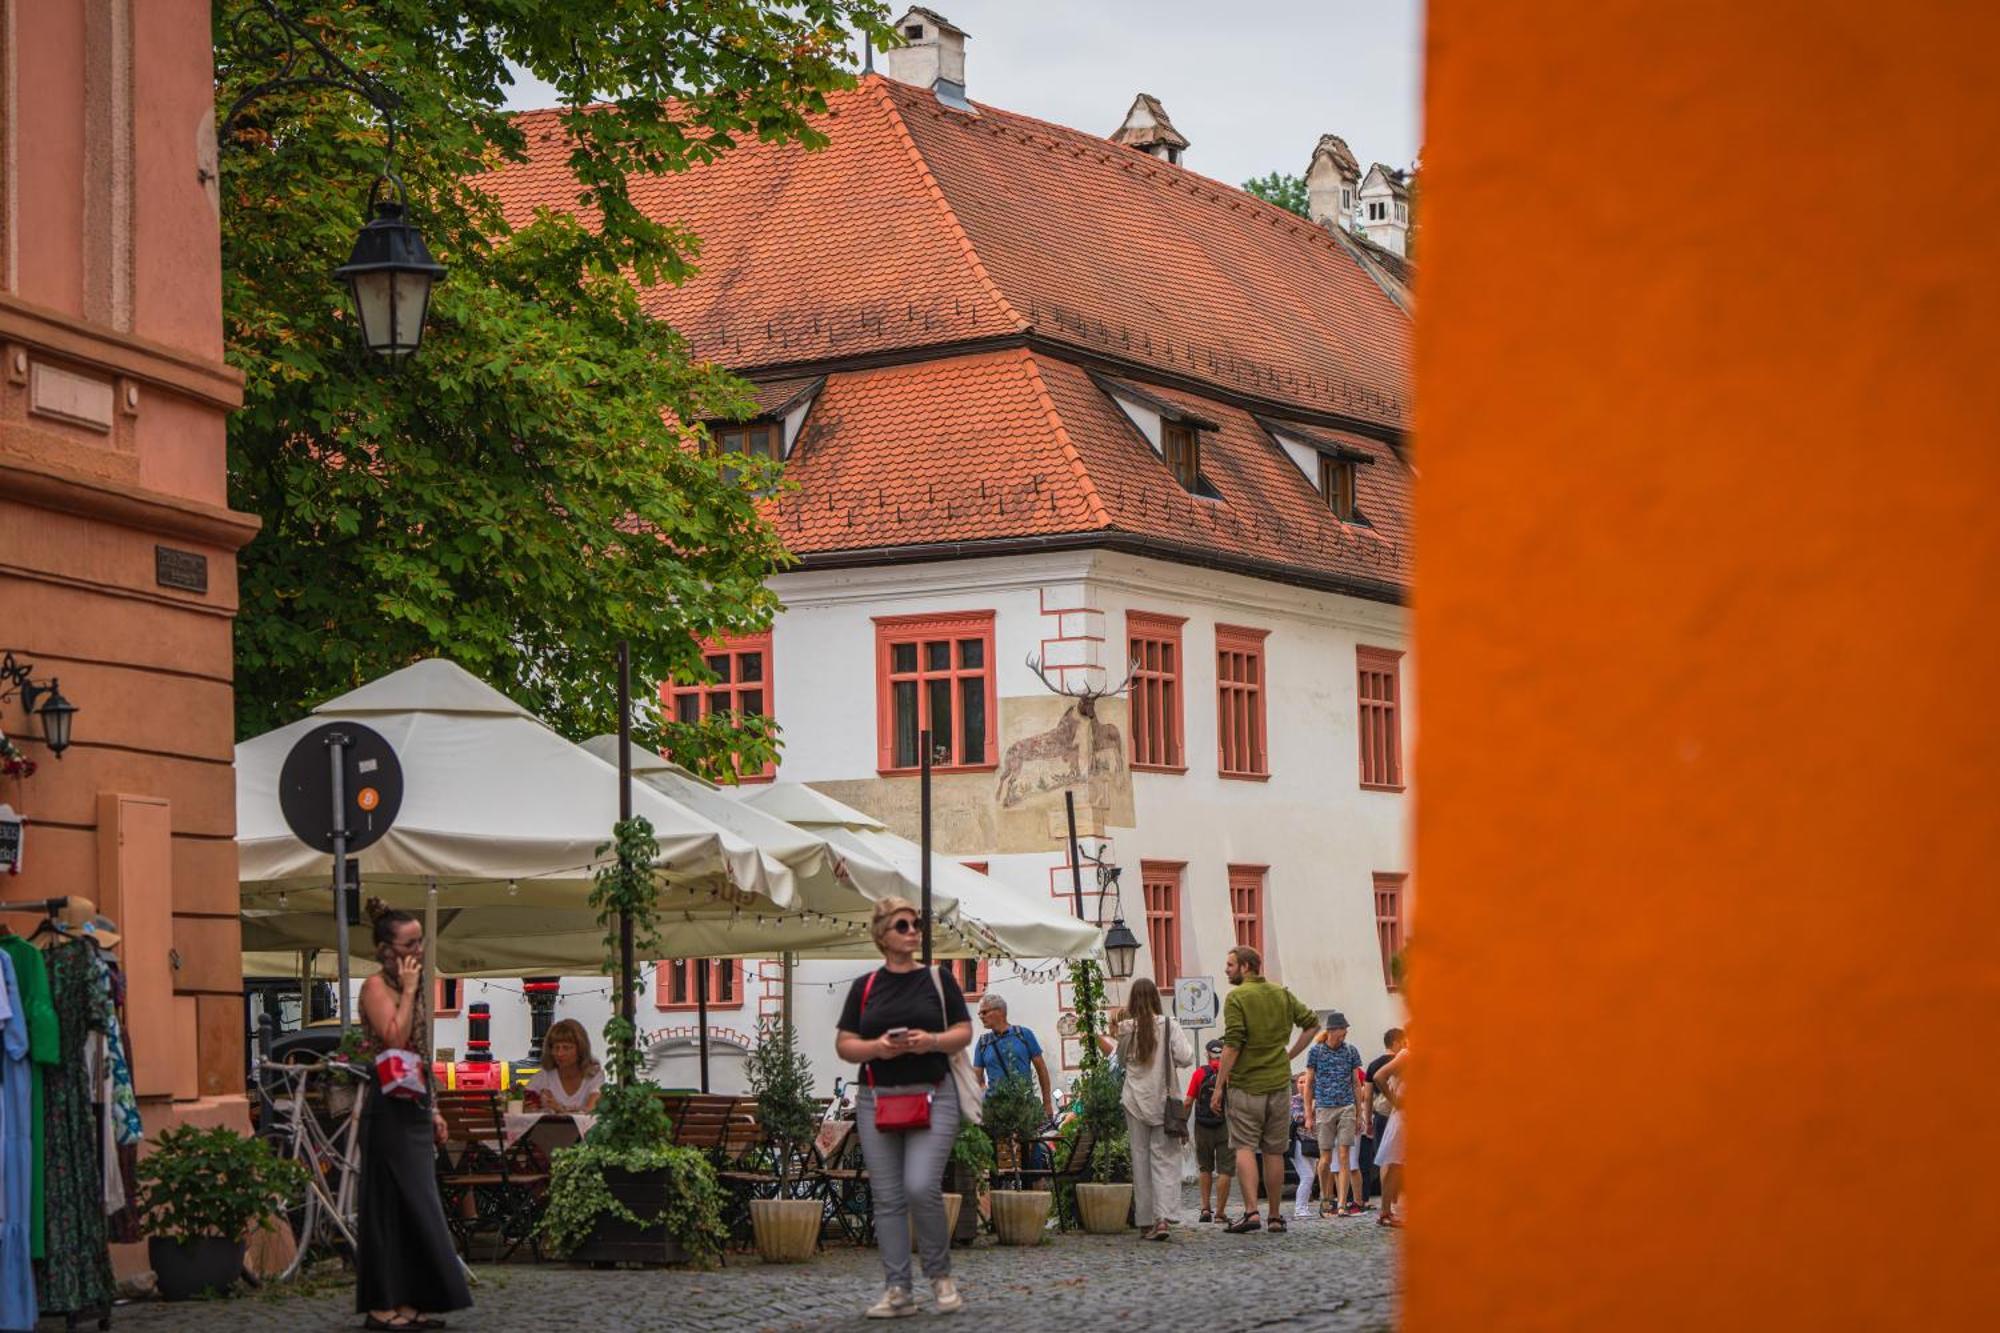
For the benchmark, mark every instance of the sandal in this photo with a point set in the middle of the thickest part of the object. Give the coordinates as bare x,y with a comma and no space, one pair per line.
1277,1225
1207,1216
1246,1226
398,1324
1389,1220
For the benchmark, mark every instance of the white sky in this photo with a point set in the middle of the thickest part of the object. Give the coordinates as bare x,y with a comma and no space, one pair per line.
1252,84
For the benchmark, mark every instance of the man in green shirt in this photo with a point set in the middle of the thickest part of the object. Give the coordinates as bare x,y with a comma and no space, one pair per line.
1256,1072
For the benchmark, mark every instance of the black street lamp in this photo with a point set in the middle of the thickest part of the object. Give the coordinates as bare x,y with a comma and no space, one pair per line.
390,276
38,700
1121,950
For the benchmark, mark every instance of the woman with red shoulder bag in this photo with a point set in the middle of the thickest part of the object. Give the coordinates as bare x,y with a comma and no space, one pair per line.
901,1024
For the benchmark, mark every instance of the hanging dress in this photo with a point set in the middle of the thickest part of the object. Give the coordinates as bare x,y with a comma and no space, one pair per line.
77,1271
31,974
18,1310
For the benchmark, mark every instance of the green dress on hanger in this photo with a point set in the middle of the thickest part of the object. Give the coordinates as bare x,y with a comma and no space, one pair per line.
31,973
76,1275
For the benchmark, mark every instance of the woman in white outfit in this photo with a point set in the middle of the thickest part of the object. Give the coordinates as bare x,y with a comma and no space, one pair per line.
1156,1055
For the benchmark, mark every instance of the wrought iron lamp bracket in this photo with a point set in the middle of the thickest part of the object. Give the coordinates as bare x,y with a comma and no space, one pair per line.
266,32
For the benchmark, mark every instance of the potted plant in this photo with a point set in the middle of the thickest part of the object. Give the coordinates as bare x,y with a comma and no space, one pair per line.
787,1228
1012,1115
200,1191
626,1194
1104,1203
971,1163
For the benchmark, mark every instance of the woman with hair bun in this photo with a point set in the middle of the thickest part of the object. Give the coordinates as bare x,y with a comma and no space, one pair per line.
404,1262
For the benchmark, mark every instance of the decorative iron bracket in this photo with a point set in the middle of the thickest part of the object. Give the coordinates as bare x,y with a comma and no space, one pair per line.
267,33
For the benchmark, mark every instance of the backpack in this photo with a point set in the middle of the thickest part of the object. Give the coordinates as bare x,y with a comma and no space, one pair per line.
1205,1111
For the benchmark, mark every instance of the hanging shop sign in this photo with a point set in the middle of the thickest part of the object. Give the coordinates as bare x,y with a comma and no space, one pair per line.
12,835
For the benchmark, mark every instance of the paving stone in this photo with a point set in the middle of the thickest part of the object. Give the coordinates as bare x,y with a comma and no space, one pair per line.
1336,1275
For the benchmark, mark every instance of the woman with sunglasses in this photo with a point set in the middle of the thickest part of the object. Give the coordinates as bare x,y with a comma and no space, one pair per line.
901,1024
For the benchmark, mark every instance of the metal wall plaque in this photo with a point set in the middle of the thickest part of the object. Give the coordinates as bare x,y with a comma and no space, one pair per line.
180,569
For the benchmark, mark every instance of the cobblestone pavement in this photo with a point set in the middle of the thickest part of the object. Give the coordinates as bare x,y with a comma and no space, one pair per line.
1323,1275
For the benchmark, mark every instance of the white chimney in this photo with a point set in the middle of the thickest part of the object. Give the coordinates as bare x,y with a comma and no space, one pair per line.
932,56
1333,181
1385,208
1148,129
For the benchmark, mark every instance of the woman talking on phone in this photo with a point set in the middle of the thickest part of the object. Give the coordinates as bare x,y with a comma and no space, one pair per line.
404,1262
900,1024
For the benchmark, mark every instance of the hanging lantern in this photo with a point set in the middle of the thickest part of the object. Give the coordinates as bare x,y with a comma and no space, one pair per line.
1121,950
55,711
390,276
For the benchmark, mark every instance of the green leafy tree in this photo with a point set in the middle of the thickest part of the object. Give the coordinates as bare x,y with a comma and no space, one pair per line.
1287,192
524,494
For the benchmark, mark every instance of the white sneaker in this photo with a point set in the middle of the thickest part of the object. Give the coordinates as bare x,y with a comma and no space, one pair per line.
944,1293
895,1303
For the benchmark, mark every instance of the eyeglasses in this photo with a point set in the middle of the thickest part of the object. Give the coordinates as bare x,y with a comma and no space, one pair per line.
902,925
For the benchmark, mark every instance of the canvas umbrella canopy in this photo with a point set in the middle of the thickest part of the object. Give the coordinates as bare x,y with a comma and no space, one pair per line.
817,864
1003,921
507,822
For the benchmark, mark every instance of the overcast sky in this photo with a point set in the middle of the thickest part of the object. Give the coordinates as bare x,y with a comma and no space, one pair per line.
1252,84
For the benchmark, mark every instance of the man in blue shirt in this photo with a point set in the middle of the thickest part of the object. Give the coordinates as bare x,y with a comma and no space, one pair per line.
1338,1119
1006,1049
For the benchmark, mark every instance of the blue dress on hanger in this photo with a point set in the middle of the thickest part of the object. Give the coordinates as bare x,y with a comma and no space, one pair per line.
18,1307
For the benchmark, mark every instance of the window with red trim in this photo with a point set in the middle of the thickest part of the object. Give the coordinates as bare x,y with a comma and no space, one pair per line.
1389,921
742,668
447,993
1161,883
935,672
1239,688
1379,717
1246,906
1336,483
1154,648
674,983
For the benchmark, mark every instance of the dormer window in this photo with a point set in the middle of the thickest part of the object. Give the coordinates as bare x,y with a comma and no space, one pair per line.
763,439
1378,212
913,31
1336,483
1181,445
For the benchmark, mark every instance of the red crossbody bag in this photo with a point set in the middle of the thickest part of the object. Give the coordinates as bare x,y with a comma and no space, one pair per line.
899,1112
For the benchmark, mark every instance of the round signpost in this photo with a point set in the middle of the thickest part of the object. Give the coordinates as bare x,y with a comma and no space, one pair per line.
340,790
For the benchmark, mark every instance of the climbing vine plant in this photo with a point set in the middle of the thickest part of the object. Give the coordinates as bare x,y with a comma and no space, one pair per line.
625,888
1086,981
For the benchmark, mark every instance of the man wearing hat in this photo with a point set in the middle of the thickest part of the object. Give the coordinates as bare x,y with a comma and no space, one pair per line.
1331,1066
1212,1157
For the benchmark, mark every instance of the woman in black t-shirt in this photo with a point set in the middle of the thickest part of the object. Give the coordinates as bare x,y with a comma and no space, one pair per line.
901,1024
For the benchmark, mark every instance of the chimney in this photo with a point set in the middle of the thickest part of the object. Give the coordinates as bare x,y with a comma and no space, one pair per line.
932,56
1385,208
1147,129
1333,182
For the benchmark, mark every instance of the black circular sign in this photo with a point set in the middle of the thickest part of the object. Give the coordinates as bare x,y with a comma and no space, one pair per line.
371,785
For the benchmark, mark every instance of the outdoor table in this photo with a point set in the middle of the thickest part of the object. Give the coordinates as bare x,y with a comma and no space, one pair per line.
547,1130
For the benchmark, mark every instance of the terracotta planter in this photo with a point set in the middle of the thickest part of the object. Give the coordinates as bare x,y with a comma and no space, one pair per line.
787,1230
952,1204
1104,1208
1020,1215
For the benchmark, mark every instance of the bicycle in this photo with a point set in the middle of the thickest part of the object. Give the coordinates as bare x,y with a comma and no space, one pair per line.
325,1214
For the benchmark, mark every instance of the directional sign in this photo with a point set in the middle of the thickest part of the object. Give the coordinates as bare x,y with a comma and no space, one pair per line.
1194,1002
371,785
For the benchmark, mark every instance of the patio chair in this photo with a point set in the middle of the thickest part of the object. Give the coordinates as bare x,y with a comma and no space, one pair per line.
840,1179
485,1188
1069,1168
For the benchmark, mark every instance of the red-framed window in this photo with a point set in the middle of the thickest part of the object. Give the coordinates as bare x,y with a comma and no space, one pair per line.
1240,689
1154,647
1161,883
1336,483
674,983
936,672
1246,906
1389,920
1379,689
447,994
743,684
971,972
761,439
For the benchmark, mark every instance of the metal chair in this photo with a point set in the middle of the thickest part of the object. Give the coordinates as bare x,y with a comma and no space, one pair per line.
485,1188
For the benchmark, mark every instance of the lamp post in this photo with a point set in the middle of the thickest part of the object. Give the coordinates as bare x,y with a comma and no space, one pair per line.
390,276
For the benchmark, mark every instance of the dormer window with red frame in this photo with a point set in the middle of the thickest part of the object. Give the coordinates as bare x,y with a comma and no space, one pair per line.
742,668
935,672
1336,483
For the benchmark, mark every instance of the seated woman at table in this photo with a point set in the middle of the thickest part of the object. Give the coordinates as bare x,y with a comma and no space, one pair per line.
570,1079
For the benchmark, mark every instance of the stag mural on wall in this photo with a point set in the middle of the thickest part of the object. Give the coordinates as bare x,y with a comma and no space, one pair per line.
1080,750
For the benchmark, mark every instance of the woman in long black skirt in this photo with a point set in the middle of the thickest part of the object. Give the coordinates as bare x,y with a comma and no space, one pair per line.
404,1261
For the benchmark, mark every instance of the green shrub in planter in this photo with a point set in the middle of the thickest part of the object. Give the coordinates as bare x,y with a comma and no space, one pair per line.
579,1196
972,1151
1012,1113
199,1192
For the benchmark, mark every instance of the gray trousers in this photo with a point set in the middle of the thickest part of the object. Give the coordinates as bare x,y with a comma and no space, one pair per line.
906,1183
1156,1172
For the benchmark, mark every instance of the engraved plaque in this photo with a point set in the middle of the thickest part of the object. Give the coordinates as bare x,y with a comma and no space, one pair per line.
68,396
180,569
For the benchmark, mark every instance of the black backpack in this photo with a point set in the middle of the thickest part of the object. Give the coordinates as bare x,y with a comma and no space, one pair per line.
1205,1110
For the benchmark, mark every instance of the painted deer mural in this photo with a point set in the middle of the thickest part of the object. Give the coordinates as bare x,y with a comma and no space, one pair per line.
1079,750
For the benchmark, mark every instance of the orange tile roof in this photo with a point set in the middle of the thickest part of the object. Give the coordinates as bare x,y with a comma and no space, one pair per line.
920,230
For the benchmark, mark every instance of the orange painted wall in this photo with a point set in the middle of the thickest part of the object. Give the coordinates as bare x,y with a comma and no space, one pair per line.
1707,975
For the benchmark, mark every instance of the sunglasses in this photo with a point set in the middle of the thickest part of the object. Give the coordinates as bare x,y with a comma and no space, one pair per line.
903,925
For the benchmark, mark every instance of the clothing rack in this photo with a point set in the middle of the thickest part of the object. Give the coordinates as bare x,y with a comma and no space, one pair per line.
48,906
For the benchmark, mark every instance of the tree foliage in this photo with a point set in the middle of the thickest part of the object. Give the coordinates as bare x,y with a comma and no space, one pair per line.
1287,192
522,496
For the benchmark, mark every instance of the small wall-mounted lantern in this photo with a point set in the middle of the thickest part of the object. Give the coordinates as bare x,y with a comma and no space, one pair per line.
38,700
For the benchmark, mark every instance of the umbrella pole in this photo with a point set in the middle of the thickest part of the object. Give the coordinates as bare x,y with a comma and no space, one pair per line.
701,966
626,1008
924,822
1075,853
430,953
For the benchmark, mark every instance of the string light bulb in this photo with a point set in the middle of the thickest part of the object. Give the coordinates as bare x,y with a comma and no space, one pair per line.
513,887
